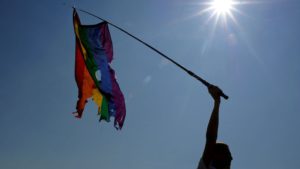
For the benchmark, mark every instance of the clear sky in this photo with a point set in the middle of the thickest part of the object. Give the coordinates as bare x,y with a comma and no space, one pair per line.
254,59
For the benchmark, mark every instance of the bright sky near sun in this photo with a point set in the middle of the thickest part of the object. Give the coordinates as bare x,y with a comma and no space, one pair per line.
249,48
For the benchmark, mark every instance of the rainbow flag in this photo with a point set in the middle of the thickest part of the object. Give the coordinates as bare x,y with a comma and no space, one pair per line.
94,76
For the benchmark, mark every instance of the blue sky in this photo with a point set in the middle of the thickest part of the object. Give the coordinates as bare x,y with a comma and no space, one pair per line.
255,61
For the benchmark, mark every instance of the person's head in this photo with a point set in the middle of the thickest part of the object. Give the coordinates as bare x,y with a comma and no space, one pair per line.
222,156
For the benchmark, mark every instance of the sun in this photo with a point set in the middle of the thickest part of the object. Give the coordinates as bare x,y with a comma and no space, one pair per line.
222,7
221,10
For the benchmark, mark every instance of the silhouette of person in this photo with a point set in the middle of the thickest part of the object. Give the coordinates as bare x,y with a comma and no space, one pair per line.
215,155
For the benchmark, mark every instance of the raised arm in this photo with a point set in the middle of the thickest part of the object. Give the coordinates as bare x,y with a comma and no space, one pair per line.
213,124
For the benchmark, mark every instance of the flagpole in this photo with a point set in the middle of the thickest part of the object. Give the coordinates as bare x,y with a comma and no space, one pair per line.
207,84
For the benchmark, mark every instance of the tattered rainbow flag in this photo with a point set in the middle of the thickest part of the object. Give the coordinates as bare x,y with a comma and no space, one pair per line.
94,76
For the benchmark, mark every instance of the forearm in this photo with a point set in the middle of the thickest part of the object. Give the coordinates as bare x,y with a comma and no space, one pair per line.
213,124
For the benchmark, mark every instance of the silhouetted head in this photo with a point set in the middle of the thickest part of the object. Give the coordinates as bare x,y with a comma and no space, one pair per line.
222,156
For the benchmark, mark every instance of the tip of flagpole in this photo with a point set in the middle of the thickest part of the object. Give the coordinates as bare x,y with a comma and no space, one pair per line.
74,8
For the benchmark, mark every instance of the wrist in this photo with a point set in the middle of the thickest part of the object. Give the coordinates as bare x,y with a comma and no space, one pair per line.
217,101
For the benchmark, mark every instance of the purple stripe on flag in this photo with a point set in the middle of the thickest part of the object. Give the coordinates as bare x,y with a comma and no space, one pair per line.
119,101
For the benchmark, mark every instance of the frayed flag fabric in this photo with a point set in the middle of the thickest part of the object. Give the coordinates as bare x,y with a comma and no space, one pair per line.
94,76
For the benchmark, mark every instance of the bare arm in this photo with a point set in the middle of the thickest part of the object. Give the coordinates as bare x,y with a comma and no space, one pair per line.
213,124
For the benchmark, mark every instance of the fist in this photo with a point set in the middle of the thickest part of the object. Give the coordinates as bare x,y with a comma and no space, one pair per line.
215,92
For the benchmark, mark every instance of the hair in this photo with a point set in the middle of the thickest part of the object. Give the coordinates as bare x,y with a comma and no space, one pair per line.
222,148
